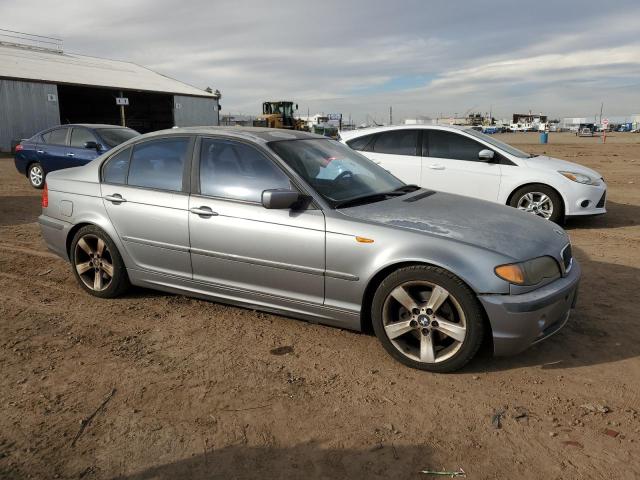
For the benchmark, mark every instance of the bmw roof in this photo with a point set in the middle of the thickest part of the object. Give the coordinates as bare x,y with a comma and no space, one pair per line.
253,133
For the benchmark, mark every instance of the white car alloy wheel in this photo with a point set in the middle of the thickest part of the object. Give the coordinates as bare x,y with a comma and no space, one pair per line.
537,203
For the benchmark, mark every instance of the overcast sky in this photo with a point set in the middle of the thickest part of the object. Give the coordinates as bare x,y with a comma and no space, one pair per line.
358,57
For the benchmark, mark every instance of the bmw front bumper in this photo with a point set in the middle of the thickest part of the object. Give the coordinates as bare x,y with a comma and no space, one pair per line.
519,321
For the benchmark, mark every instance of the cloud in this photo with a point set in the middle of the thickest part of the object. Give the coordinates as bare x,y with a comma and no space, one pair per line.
360,56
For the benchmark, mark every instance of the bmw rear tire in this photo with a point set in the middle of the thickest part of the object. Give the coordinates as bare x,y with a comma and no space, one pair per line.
97,264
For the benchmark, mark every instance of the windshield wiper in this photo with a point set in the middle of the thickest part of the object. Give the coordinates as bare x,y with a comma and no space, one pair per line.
533,155
408,188
378,197
374,197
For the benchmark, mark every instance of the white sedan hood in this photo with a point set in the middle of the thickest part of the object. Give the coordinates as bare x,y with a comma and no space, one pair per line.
551,163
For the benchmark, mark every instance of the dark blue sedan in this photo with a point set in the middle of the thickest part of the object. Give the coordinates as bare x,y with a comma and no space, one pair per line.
66,146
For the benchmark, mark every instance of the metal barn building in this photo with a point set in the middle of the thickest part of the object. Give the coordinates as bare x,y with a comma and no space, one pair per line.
42,86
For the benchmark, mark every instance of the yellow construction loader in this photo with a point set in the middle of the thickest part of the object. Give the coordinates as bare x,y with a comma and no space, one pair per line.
279,115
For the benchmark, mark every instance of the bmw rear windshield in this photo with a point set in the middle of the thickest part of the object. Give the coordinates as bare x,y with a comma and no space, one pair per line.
113,137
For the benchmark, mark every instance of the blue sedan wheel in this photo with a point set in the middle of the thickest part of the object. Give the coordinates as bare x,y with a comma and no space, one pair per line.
36,175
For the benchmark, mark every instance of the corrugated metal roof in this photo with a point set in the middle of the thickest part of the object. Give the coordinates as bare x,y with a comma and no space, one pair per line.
25,63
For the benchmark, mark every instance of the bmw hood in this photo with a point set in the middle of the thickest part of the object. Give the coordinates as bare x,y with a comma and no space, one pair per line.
505,230
550,163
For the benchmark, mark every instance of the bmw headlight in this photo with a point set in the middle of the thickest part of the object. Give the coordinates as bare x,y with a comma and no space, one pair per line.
580,178
530,272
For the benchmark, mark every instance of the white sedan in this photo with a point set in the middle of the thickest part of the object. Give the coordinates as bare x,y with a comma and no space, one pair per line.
467,162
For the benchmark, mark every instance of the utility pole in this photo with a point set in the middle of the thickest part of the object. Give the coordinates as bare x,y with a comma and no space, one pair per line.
390,115
601,107
122,119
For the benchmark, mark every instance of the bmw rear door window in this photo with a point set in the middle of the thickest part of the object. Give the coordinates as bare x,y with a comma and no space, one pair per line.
159,164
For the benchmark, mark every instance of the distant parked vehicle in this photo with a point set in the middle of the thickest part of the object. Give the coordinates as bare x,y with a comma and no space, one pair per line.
586,130
66,146
491,129
466,162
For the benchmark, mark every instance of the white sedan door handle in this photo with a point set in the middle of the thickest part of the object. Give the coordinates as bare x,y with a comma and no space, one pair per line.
436,166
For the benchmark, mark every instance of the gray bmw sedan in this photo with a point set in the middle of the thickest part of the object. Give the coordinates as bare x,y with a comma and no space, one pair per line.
301,225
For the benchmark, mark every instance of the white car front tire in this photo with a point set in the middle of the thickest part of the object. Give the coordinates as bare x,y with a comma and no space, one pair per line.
540,200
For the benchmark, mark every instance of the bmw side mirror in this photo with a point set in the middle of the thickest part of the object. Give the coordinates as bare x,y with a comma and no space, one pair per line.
92,145
486,155
280,199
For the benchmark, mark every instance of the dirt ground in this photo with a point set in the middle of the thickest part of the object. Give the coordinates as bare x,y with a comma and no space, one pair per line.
199,390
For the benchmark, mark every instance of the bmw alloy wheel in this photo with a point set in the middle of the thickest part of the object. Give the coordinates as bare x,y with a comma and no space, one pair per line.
93,262
424,322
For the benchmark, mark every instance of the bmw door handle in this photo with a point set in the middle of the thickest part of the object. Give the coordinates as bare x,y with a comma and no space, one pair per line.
71,154
436,166
39,151
203,211
115,198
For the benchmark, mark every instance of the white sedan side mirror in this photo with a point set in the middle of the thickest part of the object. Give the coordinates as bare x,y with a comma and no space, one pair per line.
486,155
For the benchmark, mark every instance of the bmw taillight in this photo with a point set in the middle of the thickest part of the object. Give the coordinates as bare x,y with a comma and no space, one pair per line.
19,148
45,196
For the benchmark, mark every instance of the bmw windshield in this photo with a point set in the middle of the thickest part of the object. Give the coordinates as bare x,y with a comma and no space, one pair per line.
342,176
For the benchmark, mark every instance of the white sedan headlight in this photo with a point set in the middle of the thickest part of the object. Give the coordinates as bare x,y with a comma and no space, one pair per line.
580,178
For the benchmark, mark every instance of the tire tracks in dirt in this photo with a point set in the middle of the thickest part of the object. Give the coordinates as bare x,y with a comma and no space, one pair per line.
29,251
